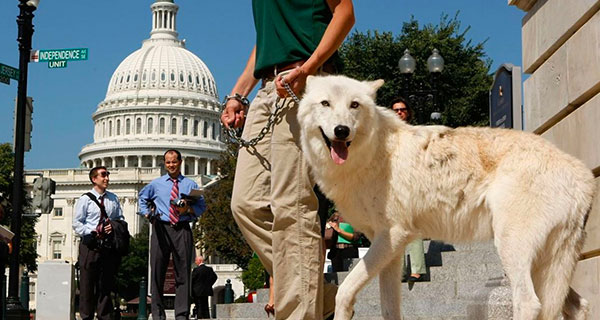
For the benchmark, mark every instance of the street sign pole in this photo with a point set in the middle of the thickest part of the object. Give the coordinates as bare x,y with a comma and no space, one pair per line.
14,309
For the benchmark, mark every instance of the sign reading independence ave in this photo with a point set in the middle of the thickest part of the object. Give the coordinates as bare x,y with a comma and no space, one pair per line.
63,54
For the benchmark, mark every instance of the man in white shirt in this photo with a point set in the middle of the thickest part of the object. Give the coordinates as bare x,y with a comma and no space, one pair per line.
98,260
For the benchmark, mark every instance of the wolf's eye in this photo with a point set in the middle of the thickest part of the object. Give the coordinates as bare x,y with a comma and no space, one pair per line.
354,105
325,103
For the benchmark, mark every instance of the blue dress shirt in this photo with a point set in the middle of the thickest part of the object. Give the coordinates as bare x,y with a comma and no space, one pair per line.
159,192
87,212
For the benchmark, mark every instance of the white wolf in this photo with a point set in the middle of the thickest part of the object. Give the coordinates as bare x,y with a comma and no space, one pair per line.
396,182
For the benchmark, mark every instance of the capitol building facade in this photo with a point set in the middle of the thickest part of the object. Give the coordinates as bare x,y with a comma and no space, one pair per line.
162,96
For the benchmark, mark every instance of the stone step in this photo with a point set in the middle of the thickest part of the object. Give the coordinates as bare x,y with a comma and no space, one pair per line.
262,295
241,310
459,258
366,309
469,285
380,318
475,246
476,272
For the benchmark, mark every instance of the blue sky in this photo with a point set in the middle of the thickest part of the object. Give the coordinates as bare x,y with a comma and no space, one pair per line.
221,33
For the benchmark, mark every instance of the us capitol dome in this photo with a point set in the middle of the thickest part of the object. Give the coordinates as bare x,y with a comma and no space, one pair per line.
161,96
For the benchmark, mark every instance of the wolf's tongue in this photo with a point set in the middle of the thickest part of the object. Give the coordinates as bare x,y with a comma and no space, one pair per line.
339,151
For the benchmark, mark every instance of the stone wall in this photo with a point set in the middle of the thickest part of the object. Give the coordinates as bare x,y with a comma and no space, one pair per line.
561,52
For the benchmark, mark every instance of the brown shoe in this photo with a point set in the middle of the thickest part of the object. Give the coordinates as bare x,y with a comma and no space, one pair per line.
270,309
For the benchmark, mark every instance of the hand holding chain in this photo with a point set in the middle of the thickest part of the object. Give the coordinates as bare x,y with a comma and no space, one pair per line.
232,133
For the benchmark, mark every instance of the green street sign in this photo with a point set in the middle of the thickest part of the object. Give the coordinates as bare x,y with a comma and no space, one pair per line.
9,71
57,64
5,79
63,55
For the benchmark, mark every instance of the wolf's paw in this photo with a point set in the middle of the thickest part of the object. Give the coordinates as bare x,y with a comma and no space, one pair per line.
343,314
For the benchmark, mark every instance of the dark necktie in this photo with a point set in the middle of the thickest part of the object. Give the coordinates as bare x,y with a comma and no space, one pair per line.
103,217
173,213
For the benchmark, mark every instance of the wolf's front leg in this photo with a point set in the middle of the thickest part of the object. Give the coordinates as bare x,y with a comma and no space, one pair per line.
390,288
383,249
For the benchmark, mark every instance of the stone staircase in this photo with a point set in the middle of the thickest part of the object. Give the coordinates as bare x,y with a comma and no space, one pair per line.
464,282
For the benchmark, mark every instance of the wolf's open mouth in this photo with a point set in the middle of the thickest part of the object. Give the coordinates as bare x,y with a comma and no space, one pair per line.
337,149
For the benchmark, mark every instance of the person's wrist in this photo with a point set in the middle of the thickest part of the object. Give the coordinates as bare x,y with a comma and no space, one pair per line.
241,99
234,105
306,70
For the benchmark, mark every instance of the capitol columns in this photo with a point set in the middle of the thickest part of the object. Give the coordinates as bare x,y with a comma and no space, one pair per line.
196,166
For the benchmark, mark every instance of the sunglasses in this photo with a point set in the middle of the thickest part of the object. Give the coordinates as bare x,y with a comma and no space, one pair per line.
104,174
401,109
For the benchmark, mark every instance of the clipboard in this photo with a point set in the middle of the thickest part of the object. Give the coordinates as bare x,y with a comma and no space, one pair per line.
194,194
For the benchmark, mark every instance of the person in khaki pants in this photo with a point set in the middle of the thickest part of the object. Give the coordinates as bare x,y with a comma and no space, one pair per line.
273,201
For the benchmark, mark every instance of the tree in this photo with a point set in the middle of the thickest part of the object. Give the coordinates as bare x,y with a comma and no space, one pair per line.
463,85
254,277
28,253
216,231
134,266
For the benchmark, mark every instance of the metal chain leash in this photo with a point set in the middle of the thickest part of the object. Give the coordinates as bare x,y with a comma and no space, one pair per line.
232,134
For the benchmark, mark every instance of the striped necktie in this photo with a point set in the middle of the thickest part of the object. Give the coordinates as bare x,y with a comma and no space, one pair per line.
173,213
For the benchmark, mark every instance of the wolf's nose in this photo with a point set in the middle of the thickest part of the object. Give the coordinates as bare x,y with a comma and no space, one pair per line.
341,132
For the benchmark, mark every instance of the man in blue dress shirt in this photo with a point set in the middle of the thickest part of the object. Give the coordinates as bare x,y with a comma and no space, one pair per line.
171,233
98,262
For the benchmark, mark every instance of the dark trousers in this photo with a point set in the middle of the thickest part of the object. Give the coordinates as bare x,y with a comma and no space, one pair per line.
202,311
337,261
166,241
98,269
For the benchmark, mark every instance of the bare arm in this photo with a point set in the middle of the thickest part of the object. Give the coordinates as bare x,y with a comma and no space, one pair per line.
346,235
234,112
337,30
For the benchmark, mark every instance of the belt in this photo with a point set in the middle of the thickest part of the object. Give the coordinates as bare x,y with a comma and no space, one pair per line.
176,226
270,73
344,245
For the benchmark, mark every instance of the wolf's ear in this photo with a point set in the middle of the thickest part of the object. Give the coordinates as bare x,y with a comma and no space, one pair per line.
375,85
309,79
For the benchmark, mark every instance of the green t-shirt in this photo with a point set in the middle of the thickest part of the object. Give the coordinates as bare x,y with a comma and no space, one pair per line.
345,227
288,31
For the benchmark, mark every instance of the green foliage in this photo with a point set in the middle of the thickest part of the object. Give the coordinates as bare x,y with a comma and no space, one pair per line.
463,85
254,277
28,253
134,266
216,230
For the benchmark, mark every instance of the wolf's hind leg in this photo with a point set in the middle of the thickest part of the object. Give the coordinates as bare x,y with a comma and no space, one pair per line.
517,257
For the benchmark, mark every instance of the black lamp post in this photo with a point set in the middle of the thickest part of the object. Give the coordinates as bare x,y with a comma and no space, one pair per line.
14,309
421,95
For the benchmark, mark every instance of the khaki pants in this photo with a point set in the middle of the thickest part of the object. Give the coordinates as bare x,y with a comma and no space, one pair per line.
275,207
